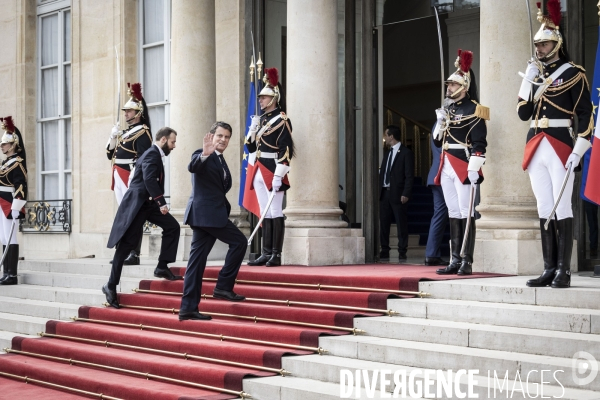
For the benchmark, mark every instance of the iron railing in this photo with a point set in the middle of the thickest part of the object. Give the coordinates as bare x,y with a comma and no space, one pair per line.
47,216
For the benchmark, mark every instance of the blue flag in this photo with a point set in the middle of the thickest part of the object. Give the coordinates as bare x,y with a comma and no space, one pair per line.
249,114
595,92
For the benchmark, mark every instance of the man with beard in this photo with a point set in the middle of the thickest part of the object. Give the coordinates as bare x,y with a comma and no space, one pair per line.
461,133
554,90
144,201
125,147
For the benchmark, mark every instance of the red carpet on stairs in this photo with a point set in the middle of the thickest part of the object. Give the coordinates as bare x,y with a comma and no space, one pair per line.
121,346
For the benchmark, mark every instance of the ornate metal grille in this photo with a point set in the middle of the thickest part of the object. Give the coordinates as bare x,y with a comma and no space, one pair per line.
47,216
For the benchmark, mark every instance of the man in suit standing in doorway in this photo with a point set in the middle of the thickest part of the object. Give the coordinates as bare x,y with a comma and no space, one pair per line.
395,188
207,213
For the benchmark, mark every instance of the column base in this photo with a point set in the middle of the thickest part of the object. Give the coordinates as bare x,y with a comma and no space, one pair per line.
323,246
511,251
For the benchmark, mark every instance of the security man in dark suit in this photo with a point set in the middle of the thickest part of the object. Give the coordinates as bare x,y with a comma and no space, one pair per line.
145,201
439,220
395,188
207,213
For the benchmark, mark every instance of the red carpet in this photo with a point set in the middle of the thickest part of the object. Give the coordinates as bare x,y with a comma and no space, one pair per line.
104,336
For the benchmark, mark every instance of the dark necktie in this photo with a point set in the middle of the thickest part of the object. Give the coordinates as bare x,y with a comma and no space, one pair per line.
227,182
386,181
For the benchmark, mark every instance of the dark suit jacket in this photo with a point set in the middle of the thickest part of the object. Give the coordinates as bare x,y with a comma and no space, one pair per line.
401,176
436,153
207,207
147,185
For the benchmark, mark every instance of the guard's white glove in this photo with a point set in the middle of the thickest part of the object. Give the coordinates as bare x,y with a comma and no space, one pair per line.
254,127
532,71
441,114
276,183
473,176
114,132
574,160
15,214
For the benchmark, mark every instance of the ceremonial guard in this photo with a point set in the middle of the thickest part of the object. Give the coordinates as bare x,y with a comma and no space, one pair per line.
125,147
461,132
271,139
553,91
13,195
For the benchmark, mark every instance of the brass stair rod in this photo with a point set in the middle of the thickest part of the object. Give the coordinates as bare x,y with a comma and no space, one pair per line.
146,375
27,379
221,337
186,356
319,287
285,302
354,331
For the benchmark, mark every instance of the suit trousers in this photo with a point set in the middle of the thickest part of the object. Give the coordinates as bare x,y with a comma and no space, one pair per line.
170,239
438,224
387,210
203,240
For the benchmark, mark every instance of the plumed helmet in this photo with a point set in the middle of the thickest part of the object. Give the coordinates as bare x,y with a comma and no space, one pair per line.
549,30
462,75
136,102
271,88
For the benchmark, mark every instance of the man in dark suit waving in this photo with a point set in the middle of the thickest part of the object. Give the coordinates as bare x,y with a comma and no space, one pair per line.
395,188
144,201
207,213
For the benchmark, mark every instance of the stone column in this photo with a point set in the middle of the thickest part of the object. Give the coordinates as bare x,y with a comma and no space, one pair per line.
315,234
193,91
508,237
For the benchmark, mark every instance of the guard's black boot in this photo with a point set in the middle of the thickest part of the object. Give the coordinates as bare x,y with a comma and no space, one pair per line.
11,262
549,246
278,234
456,237
267,243
564,228
467,261
5,272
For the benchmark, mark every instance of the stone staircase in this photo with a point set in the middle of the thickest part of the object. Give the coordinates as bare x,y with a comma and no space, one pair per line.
501,325
495,324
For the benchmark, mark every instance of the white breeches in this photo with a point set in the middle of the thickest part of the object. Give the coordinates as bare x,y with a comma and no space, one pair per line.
547,172
456,194
276,209
120,187
5,230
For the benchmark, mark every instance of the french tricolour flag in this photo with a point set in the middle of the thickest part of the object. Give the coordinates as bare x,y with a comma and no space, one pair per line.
248,198
590,180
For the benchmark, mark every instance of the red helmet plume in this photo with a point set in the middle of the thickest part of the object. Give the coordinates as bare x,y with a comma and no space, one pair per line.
135,91
272,75
8,125
466,59
554,11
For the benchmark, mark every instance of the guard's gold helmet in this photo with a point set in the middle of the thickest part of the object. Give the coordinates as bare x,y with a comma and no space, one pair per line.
462,75
271,89
549,30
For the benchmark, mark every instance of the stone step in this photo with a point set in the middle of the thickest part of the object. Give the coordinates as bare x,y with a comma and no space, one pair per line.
6,339
82,297
68,280
328,368
89,267
577,320
583,293
38,308
22,324
292,388
444,357
483,336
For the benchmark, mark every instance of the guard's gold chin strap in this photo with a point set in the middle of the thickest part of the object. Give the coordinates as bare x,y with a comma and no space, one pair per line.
456,93
270,103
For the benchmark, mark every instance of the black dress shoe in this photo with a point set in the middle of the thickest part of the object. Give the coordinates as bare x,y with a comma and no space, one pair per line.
402,257
111,296
225,295
193,315
435,261
132,259
384,256
167,274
